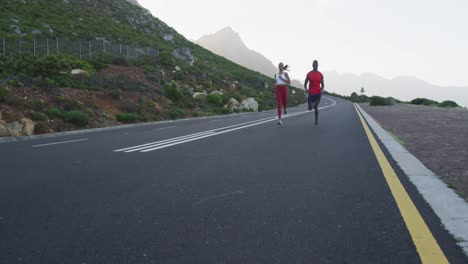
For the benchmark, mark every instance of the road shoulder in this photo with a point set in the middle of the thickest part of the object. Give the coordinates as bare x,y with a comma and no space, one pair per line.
449,207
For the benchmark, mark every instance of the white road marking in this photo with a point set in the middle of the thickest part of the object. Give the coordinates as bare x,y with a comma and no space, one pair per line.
166,140
61,142
164,128
192,137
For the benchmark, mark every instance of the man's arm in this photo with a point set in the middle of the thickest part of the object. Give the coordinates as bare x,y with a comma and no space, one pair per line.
305,83
323,83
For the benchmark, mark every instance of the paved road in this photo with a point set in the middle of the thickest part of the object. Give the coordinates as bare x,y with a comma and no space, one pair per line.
233,189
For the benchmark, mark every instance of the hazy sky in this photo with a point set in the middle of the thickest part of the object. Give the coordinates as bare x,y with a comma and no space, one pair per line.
427,39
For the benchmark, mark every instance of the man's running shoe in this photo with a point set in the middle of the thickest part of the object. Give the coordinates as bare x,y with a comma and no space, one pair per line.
280,123
285,112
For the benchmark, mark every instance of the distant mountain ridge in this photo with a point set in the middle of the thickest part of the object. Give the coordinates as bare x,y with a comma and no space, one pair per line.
401,87
227,43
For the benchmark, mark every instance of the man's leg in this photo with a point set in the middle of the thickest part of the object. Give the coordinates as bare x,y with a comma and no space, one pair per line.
309,102
316,112
316,104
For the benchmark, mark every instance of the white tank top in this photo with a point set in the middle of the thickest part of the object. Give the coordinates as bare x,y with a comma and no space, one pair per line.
278,80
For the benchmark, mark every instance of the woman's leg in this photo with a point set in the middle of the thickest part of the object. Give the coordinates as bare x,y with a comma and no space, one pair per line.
285,97
279,100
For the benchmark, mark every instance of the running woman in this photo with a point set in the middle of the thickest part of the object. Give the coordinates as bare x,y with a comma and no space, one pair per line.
282,79
316,85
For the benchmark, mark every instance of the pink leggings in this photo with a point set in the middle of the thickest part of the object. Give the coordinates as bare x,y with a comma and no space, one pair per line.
281,98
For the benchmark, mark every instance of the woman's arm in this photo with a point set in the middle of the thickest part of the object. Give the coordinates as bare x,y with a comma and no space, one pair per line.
288,81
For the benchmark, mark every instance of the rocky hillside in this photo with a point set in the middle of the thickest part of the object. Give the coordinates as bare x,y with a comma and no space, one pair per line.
60,92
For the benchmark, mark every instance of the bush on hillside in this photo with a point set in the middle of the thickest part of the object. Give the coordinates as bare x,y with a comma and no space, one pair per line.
215,99
55,113
38,116
4,94
172,92
52,66
448,104
380,101
424,101
175,113
76,118
127,117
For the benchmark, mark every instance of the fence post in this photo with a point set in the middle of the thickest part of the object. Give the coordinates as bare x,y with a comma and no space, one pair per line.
127,51
4,48
120,49
57,44
47,46
90,52
34,47
80,49
104,46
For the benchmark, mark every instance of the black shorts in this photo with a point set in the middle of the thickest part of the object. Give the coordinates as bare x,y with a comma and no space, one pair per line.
314,98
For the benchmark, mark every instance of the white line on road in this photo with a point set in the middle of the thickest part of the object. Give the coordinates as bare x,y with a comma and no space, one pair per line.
189,138
162,141
164,128
61,142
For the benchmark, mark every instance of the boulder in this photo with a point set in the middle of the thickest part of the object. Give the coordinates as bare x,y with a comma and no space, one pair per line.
14,129
168,37
184,54
200,96
248,104
3,129
78,72
217,92
232,104
177,68
28,126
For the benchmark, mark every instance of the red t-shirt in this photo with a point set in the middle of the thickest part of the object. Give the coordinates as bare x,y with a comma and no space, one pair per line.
315,79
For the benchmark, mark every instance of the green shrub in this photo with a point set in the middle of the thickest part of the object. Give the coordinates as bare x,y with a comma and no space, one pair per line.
4,94
90,112
38,116
56,113
76,118
69,104
127,117
38,104
115,94
175,113
380,101
15,83
47,83
41,128
215,99
424,101
448,104
172,92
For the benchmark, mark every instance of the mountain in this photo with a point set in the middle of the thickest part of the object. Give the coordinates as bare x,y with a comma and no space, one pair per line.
401,87
135,2
228,43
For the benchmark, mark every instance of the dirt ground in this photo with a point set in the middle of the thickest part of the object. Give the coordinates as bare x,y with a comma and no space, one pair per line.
436,136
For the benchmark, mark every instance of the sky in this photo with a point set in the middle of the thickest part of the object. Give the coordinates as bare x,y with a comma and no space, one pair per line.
427,39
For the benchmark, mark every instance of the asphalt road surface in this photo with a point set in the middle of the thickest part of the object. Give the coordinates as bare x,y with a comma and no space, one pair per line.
229,189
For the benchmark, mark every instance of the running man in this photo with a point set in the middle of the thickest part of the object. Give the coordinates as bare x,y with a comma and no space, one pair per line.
316,85
282,78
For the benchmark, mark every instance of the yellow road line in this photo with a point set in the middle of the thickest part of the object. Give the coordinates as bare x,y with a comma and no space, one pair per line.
428,249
